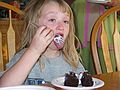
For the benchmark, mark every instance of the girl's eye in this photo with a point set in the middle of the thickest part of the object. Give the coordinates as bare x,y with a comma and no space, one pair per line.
66,22
52,20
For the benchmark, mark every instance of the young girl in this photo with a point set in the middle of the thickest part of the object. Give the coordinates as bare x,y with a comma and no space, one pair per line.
44,58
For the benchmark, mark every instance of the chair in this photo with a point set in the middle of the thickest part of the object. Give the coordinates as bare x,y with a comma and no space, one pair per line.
9,33
109,44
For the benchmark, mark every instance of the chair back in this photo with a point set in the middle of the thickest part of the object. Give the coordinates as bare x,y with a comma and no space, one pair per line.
105,41
10,31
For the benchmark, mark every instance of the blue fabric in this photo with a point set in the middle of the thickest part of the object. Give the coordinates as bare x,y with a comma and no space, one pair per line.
54,67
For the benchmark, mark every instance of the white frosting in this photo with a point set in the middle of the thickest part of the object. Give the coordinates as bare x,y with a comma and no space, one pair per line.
58,39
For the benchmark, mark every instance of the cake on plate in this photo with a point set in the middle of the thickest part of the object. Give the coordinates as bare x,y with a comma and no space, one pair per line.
86,79
73,80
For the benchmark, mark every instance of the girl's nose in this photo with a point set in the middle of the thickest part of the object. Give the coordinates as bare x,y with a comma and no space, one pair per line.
60,26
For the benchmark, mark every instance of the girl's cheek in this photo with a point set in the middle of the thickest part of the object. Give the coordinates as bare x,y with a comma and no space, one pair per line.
51,26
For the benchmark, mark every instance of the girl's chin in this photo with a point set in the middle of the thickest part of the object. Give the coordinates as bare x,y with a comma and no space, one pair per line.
59,46
54,47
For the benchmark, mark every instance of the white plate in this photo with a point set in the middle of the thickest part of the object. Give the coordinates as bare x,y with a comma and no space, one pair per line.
98,1
27,87
59,82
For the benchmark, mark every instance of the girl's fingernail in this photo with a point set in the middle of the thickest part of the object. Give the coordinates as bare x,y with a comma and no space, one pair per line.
43,26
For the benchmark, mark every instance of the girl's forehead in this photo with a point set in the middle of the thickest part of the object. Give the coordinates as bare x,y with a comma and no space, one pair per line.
53,7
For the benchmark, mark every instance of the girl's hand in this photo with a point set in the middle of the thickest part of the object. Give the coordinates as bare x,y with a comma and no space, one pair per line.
41,39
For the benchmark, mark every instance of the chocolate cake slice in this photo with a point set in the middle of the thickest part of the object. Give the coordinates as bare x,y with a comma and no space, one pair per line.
86,79
71,80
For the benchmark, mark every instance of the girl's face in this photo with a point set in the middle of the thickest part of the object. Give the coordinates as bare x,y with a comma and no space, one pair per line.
54,18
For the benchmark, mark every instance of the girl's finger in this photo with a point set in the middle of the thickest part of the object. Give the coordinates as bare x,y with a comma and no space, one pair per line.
45,32
50,36
40,30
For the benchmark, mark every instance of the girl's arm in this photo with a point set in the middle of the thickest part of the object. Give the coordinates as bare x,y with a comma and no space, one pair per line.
17,74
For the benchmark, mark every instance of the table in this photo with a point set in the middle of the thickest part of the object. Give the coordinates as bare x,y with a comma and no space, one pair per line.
112,81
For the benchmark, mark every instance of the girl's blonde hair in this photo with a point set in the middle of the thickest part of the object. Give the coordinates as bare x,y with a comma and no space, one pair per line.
32,13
